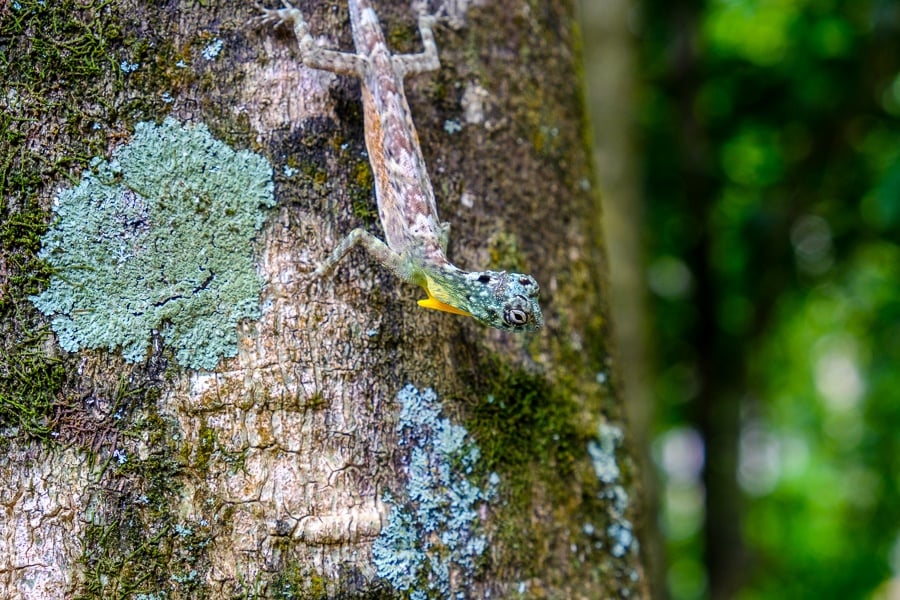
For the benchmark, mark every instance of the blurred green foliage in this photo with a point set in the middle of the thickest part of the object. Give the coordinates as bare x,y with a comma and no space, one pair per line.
772,137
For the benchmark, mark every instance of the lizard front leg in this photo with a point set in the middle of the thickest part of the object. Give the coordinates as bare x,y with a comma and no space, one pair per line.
374,246
425,61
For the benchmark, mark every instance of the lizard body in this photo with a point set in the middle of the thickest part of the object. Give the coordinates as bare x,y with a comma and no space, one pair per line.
415,239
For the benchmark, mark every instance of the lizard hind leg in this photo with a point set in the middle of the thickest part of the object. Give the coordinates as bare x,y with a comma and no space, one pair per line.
343,63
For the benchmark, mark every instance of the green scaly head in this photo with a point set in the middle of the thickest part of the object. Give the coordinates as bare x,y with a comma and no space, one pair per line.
507,301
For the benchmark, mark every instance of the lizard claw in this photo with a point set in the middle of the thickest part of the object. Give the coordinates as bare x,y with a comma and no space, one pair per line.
420,8
426,17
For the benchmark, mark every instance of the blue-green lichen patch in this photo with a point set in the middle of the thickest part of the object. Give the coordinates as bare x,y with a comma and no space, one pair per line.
433,539
603,450
159,238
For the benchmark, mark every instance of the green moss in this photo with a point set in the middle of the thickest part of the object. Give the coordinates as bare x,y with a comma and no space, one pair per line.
33,38
295,582
58,60
83,51
134,543
159,238
29,384
20,238
503,249
316,401
30,380
59,63
205,448
529,433
563,471
362,194
401,33
521,419
312,175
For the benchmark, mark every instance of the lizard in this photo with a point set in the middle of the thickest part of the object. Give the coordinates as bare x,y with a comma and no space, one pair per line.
415,240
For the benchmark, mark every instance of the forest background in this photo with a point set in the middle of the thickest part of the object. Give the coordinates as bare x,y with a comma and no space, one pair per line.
752,184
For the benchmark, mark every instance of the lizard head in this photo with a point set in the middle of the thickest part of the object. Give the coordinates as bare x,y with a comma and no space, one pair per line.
507,301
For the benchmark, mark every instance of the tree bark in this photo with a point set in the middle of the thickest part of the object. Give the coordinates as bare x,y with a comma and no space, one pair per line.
610,57
290,470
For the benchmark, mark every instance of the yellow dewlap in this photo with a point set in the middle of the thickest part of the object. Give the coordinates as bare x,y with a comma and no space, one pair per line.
435,304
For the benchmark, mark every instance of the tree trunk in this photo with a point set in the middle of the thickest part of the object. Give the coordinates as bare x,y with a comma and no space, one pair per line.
353,444
610,57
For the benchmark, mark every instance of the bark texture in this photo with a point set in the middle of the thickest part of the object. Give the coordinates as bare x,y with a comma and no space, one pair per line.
610,57
274,474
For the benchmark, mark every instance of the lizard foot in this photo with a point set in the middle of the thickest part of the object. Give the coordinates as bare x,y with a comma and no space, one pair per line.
277,16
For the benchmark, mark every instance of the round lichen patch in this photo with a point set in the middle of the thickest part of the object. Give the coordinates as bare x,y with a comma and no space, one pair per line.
159,239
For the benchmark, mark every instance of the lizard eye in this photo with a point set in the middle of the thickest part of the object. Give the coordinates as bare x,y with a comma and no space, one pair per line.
515,316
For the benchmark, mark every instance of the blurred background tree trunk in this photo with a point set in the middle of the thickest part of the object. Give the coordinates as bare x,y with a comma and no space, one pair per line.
719,373
276,474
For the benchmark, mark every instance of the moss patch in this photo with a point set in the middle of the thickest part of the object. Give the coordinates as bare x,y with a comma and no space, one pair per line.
65,95
30,380
295,583
522,421
52,57
535,436
29,384
135,545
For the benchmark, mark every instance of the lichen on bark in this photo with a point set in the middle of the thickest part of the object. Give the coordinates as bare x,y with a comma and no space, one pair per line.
158,238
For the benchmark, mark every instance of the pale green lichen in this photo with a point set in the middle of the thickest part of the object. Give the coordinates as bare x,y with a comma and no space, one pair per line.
158,239
602,451
433,539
